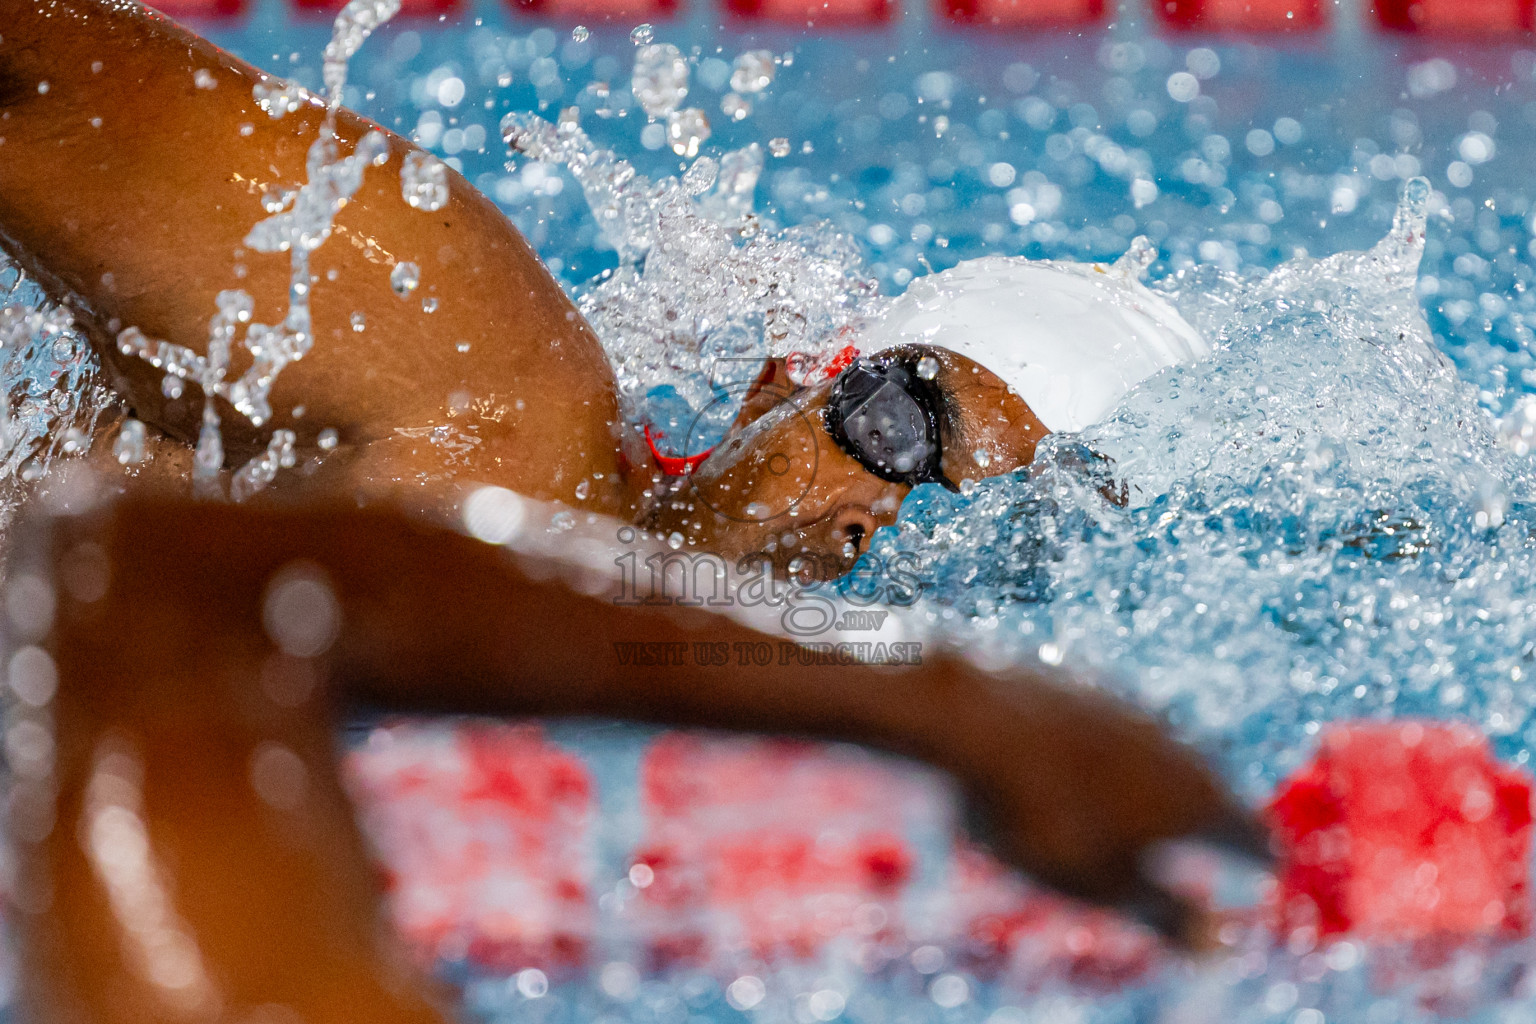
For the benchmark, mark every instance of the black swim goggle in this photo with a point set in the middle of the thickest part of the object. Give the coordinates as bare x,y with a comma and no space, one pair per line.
883,413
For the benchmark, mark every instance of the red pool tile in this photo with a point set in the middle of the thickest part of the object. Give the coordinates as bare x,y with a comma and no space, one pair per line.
631,11
482,831
820,13
408,8
1260,16
1025,13
193,10
1405,830
1456,17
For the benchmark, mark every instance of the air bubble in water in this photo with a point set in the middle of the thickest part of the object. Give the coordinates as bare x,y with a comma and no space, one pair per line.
328,439
171,386
580,33
424,181
642,34
660,78
404,278
359,322
429,304
752,71
927,367
779,146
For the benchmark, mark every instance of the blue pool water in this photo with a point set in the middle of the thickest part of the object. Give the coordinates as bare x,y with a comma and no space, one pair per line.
1327,521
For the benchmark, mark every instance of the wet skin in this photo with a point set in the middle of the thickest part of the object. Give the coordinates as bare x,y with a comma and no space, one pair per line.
163,878
159,695
780,486
128,190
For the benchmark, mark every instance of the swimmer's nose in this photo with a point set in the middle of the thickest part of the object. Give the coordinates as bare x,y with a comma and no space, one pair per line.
852,525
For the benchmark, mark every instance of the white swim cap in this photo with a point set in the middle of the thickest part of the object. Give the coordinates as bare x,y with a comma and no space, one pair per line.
1069,338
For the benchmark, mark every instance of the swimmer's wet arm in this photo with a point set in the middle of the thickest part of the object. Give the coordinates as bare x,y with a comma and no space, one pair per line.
1075,786
133,159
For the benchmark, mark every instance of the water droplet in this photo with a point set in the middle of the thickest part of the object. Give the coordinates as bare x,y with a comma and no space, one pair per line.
129,447
278,99
927,367
642,34
686,130
504,79
424,181
580,33
172,386
532,983
275,198
404,278
752,71
583,490
359,322
429,304
353,25
736,107
779,146
328,439
462,347
203,79
660,78
698,178
982,457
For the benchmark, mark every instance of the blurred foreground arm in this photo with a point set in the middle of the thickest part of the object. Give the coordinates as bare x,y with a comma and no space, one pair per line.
187,851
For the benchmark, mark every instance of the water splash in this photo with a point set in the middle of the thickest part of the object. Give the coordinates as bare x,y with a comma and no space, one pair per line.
53,394
1321,523
424,181
299,221
660,78
705,289
354,24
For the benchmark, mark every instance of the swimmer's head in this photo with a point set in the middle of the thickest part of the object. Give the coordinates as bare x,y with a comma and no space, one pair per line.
812,472
966,373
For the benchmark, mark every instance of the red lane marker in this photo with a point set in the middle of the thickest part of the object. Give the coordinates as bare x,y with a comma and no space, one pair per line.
768,848
1403,831
408,8
212,9
1007,926
599,10
482,831
1025,13
1456,17
1243,15
821,13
